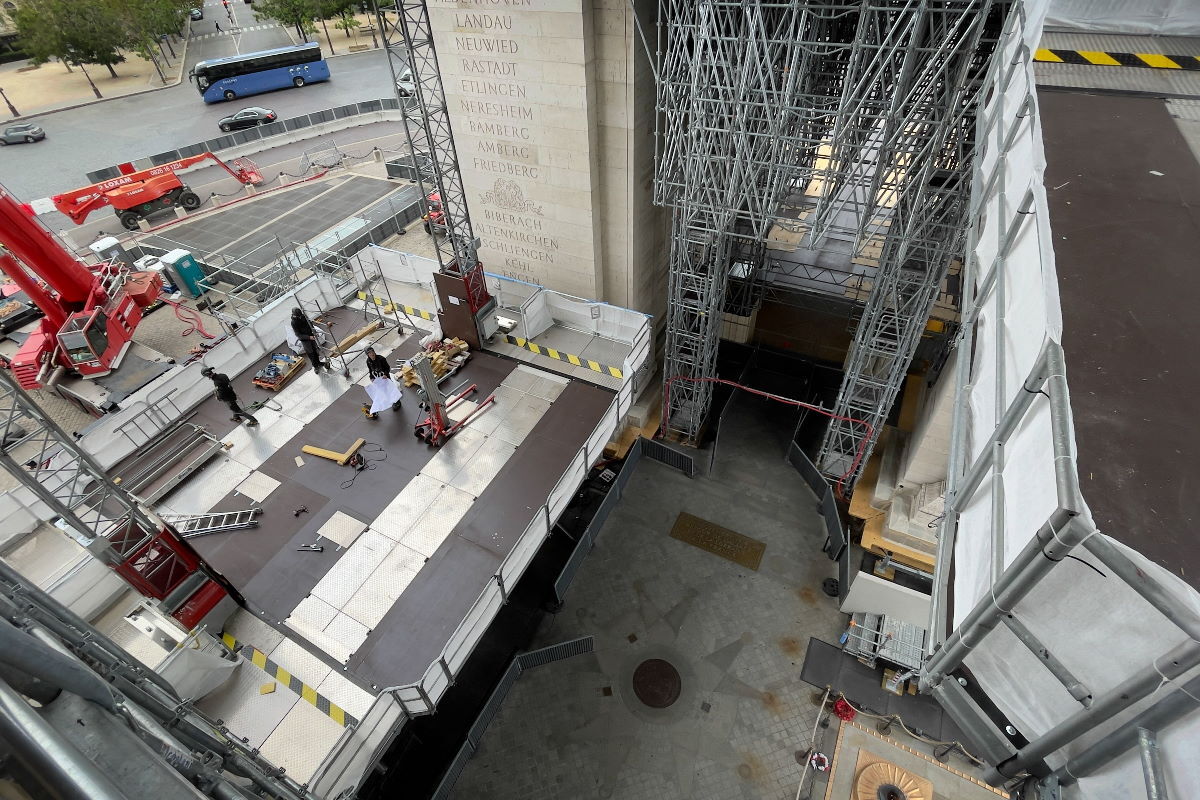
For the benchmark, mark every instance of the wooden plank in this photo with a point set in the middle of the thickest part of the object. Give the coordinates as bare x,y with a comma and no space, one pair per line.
333,455
359,334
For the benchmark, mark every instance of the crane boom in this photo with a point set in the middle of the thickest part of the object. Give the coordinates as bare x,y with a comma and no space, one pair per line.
144,186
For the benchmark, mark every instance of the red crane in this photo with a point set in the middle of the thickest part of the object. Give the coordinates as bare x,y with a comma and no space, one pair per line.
91,312
138,194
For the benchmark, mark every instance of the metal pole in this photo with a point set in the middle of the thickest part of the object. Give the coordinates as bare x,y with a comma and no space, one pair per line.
1165,712
63,771
1061,533
1152,766
1153,592
1048,659
1141,684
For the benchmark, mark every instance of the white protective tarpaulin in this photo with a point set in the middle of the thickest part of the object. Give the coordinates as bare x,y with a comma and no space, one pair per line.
1163,17
1094,623
384,393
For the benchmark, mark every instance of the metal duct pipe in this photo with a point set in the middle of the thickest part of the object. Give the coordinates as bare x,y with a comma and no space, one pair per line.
1171,708
69,626
64,772
34,657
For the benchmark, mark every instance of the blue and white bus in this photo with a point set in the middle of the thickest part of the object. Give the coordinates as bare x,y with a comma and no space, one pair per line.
250,73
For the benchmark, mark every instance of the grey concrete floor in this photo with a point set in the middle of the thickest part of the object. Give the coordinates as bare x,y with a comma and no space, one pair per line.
575,729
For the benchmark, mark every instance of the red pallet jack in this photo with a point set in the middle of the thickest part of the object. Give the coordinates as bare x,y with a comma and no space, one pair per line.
437,428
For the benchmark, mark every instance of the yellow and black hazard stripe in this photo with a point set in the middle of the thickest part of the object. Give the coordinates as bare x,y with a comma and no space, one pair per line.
306,692
542,350
387,306
1102,58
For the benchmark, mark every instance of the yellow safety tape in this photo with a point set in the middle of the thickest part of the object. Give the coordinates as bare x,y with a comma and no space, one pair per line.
306,692
558,355
1116,59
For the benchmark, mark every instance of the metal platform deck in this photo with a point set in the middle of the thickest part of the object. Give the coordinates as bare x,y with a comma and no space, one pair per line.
411,541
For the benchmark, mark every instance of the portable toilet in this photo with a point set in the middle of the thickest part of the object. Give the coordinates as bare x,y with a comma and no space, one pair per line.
185,272
110,249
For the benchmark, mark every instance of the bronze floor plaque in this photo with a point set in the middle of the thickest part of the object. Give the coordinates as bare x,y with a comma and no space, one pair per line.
657,683
718,541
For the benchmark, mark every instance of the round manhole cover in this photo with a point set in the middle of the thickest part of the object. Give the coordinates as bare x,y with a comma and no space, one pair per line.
656,683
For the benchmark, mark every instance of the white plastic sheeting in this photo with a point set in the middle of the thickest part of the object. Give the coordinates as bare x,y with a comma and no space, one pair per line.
1166,17
1093,622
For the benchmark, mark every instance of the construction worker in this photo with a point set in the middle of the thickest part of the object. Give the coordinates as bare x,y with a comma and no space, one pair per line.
225,393
303,328
378,367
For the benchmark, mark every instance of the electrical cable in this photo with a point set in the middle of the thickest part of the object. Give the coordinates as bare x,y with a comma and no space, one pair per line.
896,719
781,399
192,319
364,463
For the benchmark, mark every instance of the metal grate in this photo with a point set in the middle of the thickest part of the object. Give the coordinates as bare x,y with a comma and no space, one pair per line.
672,458
555,652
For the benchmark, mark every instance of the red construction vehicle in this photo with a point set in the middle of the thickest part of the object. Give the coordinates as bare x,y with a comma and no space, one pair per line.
90,312
435,221
139,194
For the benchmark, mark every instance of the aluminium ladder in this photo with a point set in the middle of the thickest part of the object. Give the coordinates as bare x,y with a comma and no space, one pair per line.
191,526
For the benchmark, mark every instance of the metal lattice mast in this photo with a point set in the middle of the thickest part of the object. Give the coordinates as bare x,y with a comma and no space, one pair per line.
408,40
41,456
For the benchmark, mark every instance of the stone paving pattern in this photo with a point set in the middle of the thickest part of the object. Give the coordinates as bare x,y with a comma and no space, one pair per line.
737,637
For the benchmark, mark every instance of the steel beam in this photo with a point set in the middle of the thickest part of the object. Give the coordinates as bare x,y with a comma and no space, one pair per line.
1152,766
1141,684
989,742
1171,708
1059,670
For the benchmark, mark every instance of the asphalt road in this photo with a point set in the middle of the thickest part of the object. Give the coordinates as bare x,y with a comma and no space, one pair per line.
109,132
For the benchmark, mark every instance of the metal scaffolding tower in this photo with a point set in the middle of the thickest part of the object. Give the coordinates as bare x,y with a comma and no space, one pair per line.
846,121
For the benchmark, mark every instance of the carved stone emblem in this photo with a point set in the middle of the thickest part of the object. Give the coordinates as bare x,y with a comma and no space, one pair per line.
507,194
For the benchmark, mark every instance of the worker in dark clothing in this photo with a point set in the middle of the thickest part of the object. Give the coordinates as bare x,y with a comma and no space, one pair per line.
303,328
225,393
378,367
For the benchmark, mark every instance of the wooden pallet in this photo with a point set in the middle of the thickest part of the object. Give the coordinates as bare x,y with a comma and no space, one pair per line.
286,374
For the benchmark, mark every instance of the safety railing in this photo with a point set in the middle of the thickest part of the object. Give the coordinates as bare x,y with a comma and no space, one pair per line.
250,135
516,667
587,539
421,697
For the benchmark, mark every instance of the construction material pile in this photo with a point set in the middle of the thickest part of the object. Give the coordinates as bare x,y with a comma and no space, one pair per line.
446,357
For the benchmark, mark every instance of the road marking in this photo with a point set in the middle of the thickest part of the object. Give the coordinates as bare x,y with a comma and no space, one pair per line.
1116,59
307,693
550,352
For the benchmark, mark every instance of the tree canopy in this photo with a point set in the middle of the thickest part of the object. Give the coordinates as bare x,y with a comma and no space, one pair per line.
94,31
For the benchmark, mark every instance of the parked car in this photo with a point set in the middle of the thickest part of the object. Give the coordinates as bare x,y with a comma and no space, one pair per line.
28,132
197,13
247,118
406,84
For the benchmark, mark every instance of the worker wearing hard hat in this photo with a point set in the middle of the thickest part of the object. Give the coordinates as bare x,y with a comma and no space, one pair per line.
223,389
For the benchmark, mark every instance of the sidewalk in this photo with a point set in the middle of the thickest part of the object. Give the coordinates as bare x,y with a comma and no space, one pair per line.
36,90
358,41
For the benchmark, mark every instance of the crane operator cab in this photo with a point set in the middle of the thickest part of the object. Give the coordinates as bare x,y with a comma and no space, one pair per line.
94,341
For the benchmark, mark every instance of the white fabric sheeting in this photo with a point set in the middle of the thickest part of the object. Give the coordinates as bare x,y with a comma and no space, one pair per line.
1169,17
383,393
1097,625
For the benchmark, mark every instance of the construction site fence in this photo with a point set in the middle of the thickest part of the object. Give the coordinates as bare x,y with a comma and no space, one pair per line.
250,135
587,539
836,540
523,662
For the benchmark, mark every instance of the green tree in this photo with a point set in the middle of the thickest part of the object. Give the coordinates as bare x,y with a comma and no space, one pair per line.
298,14
328,9
348,22
74,31
144,21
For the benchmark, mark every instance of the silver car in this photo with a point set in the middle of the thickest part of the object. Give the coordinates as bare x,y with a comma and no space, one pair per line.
15,134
